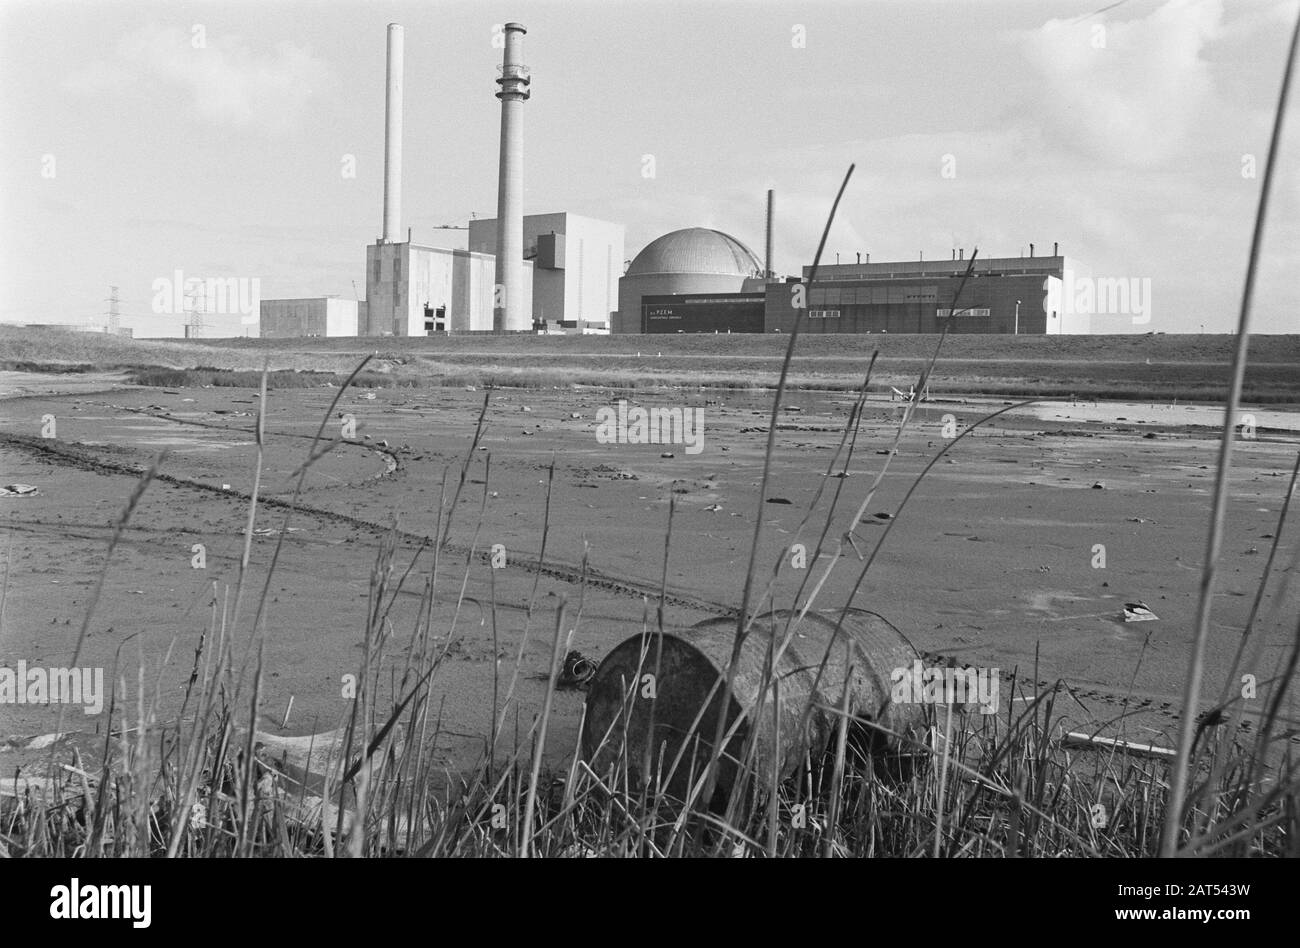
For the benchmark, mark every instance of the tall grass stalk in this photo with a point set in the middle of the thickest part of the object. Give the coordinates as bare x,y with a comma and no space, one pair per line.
1192,687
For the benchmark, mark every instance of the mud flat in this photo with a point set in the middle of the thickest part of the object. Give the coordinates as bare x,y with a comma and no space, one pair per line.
994,562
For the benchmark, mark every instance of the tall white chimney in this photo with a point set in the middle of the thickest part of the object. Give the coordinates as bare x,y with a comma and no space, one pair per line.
768,271
393,137
508,311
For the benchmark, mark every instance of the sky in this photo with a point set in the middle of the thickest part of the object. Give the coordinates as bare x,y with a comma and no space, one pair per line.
245,140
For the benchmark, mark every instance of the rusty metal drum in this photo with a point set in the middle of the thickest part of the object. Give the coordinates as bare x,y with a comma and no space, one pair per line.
653,704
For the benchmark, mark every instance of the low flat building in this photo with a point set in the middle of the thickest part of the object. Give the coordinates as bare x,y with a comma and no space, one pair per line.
1003,295
312,316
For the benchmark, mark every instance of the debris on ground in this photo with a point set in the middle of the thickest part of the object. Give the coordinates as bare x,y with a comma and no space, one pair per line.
18,490
576,671
1138,612
1079,739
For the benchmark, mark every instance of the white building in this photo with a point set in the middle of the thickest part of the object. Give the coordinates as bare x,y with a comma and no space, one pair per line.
576,262
413,290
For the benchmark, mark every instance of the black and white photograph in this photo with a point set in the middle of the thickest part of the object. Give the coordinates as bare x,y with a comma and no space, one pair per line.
647,430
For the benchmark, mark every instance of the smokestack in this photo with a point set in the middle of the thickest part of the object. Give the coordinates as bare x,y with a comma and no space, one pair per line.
393,137
508,308
961,253
767,259
859,256
1031,250
1056,249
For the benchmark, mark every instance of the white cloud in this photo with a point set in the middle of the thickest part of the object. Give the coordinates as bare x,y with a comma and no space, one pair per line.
1127,92
225,80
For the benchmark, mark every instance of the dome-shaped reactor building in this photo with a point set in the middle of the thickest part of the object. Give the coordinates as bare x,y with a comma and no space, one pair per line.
694,260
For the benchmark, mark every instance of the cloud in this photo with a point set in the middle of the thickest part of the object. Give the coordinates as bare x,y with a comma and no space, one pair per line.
225,80
1127,92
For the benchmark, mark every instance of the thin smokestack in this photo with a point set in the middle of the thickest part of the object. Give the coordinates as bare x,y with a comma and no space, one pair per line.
393,137
508,307
767,259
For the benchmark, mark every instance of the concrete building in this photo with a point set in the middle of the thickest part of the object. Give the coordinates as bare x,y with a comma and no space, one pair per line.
696,260
413,290
315,316
576,264
1003,295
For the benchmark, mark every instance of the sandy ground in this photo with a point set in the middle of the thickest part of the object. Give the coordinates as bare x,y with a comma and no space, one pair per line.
992,561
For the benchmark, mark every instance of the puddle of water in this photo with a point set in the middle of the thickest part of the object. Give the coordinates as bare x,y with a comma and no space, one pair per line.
1133,413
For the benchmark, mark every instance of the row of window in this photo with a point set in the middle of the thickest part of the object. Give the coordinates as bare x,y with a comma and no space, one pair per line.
873,295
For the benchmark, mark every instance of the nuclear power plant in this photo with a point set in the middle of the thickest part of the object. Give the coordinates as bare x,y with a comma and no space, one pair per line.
563,272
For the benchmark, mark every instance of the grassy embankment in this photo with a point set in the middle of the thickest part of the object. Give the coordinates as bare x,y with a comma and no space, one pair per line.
1137,367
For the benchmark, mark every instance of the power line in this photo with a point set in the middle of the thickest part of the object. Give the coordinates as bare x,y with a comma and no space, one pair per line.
113,318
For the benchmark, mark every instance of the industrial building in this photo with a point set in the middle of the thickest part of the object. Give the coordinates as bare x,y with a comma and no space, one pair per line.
675,285
417,290
414,290
318,316
1003,295
561,272
695,261
575,261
